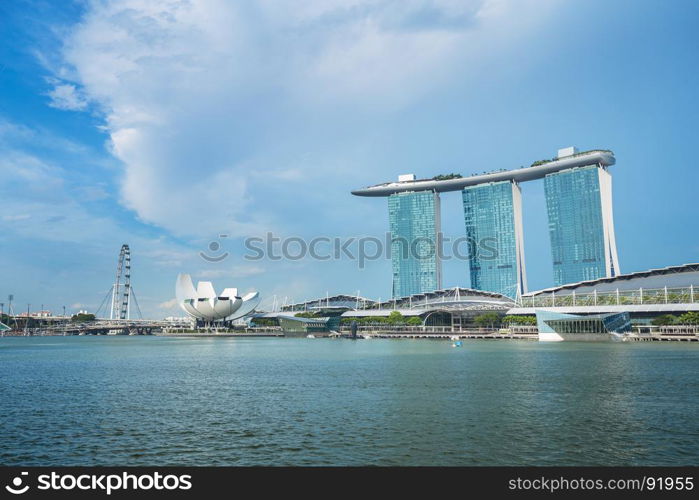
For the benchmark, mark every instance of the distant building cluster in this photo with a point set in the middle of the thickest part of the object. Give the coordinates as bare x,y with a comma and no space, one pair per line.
36,314
590,298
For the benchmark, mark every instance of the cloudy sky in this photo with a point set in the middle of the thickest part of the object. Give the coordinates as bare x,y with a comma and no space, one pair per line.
165,124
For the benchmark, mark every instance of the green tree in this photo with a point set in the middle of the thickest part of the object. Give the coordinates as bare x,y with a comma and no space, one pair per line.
306,315
264,322
82,318
414,321
396,318
519,320
664,320
444,177
489,319
689,318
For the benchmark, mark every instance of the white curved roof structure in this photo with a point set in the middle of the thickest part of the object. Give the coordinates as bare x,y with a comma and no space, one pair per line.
250,302
537,171
203,303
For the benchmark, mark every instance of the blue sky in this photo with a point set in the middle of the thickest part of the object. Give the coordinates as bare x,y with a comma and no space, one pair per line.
164,124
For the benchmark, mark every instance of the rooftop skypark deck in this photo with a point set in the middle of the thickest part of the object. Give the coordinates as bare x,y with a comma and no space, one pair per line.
537,170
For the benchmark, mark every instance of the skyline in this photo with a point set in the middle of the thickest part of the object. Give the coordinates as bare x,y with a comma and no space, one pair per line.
124,126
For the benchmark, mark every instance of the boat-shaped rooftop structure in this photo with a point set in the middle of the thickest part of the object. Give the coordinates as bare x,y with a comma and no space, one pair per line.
538,170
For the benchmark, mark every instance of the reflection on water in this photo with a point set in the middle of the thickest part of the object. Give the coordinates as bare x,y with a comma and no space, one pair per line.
160,401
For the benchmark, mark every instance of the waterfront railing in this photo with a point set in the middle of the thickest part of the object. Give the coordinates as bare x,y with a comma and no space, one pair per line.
640,296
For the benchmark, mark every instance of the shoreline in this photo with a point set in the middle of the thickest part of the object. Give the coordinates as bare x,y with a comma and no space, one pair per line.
373,335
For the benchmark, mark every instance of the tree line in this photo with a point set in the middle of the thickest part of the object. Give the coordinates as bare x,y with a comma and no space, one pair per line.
688,318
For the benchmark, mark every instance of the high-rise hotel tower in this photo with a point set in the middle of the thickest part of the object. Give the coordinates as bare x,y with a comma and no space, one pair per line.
414,219
578,190
493,216
581,224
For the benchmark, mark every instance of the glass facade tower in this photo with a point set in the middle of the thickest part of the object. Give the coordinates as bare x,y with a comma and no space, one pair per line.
493,217
414,219
581,226
578,188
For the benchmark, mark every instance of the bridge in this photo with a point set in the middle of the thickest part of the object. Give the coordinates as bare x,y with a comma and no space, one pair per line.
64,326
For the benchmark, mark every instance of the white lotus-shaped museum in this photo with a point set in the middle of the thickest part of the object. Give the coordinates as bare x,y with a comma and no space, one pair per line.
203,303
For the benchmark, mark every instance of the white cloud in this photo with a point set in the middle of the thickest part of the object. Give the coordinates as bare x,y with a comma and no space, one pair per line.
46,220
93,193
163,255
168,304
239,271
196,96
17,217
42,203
67,97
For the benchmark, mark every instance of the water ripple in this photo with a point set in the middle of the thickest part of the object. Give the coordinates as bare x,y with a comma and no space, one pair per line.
157,401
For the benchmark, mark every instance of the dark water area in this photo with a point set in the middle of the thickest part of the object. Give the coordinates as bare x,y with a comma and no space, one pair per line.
182,401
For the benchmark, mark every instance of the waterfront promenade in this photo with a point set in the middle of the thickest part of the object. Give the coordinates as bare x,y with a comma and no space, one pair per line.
640,333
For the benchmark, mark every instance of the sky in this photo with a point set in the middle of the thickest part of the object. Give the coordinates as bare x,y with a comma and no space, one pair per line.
174,124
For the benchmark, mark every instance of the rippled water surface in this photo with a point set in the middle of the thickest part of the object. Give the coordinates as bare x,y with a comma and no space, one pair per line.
162,401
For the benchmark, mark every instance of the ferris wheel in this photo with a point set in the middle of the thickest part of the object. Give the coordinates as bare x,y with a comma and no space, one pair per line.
120,295
121,291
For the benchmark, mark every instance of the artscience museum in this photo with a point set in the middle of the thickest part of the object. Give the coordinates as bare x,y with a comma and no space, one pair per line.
204,304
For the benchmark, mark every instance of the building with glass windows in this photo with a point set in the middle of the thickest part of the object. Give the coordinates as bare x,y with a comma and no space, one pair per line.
579,204
556,326
493,217
581,227
414,220
294,326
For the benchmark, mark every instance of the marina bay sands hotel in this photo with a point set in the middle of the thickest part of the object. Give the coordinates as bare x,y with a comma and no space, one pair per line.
578,189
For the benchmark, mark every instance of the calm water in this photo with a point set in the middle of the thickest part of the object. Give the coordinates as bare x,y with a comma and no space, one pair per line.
163,401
